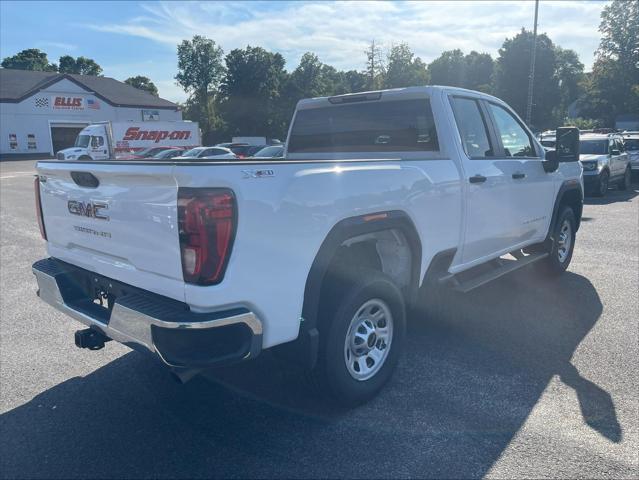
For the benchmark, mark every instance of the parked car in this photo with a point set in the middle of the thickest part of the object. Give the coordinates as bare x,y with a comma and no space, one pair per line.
380,196
631,144
605,162
548,139
271,151
242,150
150,152
169,153
203,153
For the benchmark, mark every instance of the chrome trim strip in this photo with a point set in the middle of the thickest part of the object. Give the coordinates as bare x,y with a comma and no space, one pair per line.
131,326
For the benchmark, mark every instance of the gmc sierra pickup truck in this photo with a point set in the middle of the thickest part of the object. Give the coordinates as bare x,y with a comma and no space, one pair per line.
318,254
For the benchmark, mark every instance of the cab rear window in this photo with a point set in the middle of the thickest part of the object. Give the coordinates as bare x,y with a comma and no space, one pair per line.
383,126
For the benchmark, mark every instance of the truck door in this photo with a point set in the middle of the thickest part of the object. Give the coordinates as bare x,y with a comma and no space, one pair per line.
617,157
98,146
531,195
491,224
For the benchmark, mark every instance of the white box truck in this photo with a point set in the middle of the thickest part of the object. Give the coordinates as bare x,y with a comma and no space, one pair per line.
109,140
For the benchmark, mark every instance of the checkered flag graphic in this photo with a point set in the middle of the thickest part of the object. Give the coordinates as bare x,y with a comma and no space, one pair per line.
42,102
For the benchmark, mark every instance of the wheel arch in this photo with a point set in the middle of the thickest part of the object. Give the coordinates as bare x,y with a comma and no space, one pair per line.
341,232
571,194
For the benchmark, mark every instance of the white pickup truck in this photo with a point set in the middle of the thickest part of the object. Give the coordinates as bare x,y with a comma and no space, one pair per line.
380,195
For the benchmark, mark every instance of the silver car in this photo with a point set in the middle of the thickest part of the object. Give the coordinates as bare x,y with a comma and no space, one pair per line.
605,162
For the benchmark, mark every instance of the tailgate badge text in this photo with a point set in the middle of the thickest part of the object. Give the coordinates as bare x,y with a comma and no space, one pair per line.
88,209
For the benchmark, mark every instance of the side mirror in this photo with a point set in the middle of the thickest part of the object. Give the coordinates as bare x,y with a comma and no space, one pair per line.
551,162
567,147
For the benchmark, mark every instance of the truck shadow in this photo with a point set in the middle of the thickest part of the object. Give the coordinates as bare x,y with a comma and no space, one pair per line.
466,385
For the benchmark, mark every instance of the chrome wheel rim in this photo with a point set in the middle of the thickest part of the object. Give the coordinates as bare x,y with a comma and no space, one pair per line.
368,339
565,241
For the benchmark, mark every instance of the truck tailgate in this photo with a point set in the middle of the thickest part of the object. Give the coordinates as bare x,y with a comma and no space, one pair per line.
124,228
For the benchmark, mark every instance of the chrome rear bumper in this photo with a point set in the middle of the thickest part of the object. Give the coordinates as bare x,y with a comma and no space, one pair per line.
182,339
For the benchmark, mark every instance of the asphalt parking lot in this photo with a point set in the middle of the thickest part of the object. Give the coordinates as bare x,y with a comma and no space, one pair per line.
526,378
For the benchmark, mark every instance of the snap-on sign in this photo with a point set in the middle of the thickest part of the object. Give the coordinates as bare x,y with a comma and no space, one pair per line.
68,103
134,133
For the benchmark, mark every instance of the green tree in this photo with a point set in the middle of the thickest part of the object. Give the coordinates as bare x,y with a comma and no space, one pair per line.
403,69
448,69
30,59
143,83
350,81
479,71
200,71
570,74
311,78
613,86
80,65
512,72
250,95
375,70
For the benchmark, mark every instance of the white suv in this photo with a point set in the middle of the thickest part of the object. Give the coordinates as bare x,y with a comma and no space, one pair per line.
605,162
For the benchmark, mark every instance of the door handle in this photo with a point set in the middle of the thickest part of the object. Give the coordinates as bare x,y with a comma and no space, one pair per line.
518,176
477,179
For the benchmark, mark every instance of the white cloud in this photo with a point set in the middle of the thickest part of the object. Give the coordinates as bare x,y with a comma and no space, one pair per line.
339,32
58,45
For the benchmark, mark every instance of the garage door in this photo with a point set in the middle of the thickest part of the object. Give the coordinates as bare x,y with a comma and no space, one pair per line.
63,136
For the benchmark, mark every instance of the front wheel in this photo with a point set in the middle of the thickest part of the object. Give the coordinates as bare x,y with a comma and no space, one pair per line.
361,336
563,243
624,183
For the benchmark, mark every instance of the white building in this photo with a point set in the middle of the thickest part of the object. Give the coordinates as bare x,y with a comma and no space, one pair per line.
42,112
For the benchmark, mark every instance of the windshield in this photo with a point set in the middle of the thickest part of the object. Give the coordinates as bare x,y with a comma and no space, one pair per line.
593,147
631,144
82,141
270,152
194,152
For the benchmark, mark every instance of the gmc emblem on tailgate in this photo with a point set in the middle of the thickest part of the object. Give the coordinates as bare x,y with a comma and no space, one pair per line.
88,209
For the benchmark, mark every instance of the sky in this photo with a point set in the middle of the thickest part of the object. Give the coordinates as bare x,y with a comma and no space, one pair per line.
129,38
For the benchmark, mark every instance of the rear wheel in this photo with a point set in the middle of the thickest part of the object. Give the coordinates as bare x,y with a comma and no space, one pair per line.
563,243
362,333
602,185
624,183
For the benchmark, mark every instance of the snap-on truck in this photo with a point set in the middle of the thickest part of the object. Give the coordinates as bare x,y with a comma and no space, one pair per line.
380,196
109,140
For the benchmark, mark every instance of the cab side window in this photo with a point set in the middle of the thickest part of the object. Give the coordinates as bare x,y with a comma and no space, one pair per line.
514,138
472,128
97,142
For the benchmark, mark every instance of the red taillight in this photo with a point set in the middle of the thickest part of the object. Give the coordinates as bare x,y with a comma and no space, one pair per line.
207,220
38,202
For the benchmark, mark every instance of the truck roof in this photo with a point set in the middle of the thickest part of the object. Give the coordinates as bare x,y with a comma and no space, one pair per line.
428,90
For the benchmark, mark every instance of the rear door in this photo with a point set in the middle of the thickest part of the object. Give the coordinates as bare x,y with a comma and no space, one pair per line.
531,195
119,220
491,224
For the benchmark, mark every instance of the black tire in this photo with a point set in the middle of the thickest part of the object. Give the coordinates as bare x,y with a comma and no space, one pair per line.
556,264
624,183
331,375
85,158
602,185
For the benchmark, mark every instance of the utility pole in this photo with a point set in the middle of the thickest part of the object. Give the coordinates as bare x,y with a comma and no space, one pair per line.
531,78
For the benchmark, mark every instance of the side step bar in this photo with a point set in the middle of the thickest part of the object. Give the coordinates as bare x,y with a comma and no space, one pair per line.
502,268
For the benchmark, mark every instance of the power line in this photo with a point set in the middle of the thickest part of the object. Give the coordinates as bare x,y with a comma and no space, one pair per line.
532,68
